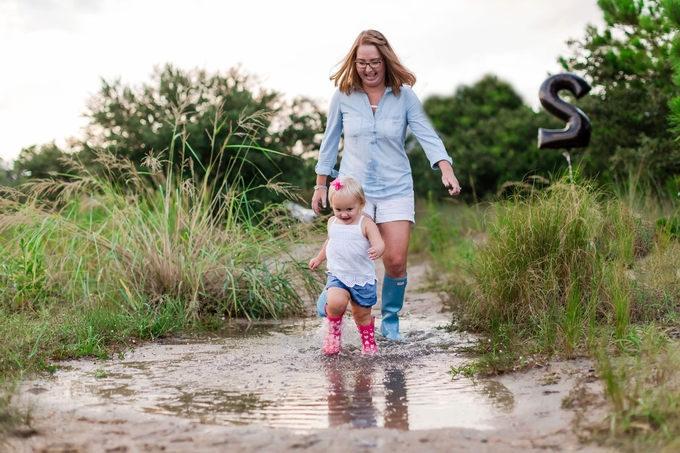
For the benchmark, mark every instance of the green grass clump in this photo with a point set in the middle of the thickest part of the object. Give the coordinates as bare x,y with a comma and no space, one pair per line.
558,264
539,271
446,233
98,258
571,271
536,248
644,391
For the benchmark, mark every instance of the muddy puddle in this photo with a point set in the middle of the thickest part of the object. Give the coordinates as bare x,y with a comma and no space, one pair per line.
276,376
268,387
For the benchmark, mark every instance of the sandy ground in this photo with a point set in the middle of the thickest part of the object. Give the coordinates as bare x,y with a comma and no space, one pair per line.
537,422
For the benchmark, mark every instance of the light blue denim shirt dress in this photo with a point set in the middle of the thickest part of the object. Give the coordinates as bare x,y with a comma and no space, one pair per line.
373,150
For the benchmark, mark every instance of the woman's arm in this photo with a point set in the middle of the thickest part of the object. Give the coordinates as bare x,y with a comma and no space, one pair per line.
431,143
328,153
424,132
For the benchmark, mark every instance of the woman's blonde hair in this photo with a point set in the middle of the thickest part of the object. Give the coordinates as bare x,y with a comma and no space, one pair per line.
347,77
345,186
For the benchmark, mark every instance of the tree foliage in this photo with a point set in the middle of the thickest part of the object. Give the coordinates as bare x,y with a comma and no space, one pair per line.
6,174
629,65
40,162
134,121
672,11
490,134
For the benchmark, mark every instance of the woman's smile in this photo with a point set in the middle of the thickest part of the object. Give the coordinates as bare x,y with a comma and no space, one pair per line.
373,74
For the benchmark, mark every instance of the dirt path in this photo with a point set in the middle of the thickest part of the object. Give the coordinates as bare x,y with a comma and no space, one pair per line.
141,404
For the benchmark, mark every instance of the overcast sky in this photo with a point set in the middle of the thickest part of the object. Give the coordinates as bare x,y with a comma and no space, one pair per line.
54,52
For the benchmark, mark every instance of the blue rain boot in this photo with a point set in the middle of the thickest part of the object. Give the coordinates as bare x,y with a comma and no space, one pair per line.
392,301
321,303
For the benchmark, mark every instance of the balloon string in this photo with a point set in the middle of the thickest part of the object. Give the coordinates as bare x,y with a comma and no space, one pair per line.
568,157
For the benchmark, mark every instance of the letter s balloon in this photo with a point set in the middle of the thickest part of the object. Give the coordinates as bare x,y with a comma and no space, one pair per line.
577,132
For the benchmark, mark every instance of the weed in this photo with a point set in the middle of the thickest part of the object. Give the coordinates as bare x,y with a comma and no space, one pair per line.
467,369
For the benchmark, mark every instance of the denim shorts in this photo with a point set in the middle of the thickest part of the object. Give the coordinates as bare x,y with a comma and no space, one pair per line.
365,296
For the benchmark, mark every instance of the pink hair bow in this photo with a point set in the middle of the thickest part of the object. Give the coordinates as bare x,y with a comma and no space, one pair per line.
336,183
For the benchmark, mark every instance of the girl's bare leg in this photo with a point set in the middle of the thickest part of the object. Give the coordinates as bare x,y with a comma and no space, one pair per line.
362,315
338,299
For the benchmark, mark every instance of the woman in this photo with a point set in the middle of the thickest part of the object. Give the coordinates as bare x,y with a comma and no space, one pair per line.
372,108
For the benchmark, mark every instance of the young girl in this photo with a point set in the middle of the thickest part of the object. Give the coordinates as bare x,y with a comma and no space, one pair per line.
353,243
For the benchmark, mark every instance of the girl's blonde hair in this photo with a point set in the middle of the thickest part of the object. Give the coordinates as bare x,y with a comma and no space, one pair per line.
347,78
348,187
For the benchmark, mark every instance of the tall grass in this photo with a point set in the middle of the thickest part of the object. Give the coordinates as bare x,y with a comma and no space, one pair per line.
536,251
571,271
125,252
644,392
446,233
556,263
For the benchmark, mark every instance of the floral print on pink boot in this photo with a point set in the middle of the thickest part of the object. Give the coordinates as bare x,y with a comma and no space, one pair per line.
332,344
368,346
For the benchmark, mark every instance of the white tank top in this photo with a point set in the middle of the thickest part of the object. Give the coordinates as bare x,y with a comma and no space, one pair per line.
347,255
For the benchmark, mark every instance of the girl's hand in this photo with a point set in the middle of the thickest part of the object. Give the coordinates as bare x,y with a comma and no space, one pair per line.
372,233
374,253
314,263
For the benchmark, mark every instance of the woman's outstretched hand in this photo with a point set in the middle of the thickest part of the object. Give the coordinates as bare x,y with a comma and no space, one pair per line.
448,178
451,182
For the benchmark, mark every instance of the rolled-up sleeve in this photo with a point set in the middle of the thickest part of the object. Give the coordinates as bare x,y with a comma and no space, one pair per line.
423,130
330,143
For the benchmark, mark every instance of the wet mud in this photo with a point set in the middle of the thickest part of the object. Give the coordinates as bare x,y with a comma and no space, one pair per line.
268,387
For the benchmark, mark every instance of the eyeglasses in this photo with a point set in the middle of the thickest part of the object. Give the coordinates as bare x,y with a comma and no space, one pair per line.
375,64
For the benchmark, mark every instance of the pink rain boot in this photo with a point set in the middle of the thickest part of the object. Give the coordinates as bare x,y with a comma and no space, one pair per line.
368,346
332,344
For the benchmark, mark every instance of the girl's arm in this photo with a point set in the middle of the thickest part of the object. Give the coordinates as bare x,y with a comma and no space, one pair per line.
321,257
372,233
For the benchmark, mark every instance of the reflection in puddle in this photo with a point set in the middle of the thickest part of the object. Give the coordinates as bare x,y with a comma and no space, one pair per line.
211,406
353,404
498,395
116,392
277,377
396,412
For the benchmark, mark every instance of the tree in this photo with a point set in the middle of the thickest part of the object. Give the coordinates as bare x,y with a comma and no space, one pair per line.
7,178
628,63
491,136
135,121
672,11
39,162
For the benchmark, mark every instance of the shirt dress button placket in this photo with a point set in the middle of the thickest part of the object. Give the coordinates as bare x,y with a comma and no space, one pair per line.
375,140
